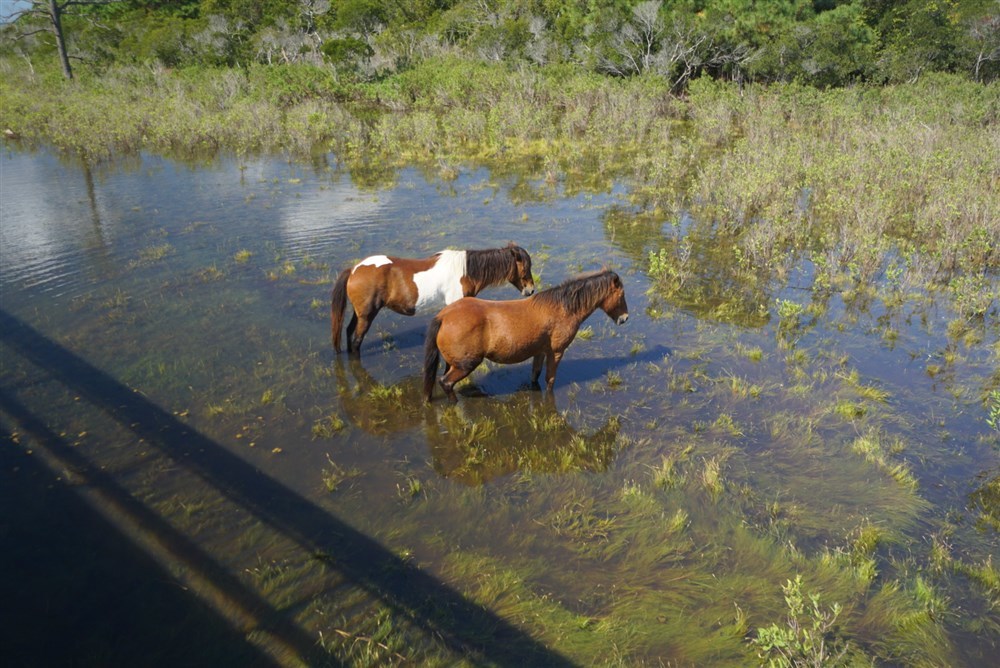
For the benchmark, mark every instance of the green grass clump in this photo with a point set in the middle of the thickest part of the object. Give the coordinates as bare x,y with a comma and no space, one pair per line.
808,637
667,475
334,475
328,427
873,448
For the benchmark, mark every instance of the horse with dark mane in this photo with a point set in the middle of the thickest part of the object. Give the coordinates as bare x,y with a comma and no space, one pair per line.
541,327
407,285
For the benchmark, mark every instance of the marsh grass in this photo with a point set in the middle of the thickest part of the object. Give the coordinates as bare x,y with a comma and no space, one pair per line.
334,475
328,427
873,448
808,636
150,255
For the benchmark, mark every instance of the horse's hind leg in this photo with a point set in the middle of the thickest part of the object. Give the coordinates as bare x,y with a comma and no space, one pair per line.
351,327
456,373
359,325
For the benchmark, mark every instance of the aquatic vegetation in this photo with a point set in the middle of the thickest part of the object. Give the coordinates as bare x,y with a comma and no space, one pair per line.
150,255
409,489
711,477
334,475
808,637
328,427
872,447
993,407
667,475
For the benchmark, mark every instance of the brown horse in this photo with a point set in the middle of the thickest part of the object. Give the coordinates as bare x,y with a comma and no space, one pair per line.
541,327
405,285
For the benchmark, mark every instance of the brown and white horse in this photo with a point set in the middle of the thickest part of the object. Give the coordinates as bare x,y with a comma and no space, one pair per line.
408,285
541,327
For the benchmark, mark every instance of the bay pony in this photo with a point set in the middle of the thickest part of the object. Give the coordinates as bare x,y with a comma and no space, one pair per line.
408,285
540,327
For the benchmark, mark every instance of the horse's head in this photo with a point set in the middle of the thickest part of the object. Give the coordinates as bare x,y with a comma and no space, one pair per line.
614,301
520,275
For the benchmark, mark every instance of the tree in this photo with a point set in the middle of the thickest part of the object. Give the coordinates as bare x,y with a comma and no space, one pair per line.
984,36
47,15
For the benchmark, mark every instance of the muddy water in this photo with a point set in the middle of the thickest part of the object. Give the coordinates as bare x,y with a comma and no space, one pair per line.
167,376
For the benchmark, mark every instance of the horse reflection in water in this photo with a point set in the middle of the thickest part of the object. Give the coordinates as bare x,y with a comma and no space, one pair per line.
407,285
372,406
540,327
474,443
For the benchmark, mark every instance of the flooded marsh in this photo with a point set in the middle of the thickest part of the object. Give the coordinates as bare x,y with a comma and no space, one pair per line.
776,444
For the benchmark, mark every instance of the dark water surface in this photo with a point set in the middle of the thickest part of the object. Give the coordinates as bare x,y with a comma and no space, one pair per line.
190,475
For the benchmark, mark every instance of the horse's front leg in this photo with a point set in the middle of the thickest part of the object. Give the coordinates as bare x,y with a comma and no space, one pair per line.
551,362
536,368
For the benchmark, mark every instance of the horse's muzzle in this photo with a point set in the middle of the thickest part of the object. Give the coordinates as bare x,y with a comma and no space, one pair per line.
622,319
527,291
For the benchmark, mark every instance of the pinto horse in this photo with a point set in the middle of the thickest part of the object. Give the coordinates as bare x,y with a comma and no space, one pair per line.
406,285
508,332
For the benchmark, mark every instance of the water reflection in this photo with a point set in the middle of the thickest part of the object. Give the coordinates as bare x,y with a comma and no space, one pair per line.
329,217
475,442
695,266
42,235
372,406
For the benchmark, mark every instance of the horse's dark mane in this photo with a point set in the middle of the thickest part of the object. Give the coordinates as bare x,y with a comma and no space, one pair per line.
579,293
494,265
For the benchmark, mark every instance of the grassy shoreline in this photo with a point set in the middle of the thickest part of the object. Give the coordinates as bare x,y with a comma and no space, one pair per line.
869,181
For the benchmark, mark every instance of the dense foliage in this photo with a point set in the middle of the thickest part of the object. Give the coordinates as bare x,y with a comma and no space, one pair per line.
818,42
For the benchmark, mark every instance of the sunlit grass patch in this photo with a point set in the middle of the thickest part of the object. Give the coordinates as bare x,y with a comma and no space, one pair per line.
334,475
328,427
808,637
151,255
873,448
668,474
711,477
752,353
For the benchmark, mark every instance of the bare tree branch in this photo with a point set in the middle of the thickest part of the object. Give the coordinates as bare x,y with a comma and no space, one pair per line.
52,11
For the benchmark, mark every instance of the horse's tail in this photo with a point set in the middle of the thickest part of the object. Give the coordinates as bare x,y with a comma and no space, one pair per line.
431,357
338,302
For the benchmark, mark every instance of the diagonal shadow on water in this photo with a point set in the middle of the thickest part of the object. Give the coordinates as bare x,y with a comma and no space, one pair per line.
51,534
462,625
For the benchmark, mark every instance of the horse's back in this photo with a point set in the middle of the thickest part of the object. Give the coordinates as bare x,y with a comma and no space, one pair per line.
387,280
503,331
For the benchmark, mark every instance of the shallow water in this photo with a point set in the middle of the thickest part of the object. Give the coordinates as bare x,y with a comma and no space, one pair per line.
166,367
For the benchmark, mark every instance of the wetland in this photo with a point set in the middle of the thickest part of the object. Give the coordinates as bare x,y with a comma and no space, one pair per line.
791,451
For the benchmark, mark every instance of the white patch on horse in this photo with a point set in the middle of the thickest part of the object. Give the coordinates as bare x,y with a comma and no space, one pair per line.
443,281
373,261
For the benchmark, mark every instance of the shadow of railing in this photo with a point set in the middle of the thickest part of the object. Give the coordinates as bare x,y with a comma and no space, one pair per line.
79,588
463,626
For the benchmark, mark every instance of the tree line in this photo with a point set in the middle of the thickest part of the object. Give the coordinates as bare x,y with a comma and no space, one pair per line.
823,43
